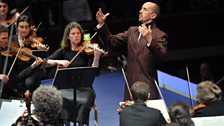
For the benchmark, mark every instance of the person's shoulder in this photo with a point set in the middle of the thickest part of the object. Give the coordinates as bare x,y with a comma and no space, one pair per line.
133,28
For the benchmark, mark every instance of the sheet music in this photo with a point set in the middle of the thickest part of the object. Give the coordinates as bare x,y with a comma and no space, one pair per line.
209,121
10,111
159,104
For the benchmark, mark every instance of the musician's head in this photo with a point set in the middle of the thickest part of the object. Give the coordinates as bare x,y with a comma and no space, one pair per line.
140,91
47,101
73,35
208,92
3,36
4,7
23,24
179,114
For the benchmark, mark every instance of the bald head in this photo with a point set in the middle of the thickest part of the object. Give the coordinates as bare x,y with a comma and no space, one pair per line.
148,12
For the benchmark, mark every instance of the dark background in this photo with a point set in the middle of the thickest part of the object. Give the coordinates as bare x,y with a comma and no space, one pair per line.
194,27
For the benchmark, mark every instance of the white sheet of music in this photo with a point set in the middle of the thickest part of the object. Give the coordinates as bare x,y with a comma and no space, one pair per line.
209,121
10,111
160,105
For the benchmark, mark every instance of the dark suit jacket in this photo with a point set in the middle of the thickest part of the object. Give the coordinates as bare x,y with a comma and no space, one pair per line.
141,115
213,109
142,60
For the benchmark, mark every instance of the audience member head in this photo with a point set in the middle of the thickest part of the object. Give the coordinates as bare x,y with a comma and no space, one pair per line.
140,91
65,43
208,92
180,114
47,101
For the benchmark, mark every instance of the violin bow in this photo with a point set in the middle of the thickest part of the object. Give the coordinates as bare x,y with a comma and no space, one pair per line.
17,17
160,93
82,49
189,88
6,59
126,82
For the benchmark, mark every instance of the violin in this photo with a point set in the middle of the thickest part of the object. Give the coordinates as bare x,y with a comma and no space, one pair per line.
34,41
89,47
24,55
199,106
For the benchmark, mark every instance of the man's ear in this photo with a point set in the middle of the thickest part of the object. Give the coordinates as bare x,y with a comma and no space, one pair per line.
154,15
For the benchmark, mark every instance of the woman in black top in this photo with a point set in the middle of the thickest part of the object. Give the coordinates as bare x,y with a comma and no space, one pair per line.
85,96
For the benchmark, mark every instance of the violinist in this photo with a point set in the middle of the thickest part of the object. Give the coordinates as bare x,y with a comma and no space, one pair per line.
47,102
85,96
139,114
210,99
11,82
5,17
23,28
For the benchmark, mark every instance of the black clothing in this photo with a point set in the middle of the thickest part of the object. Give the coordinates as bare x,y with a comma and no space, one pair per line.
213,109
33,81
12,88
139,114
85,96
30,121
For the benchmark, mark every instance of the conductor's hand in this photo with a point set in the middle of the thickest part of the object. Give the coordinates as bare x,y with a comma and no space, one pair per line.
146,32
101,17
37,62
63,63
4,78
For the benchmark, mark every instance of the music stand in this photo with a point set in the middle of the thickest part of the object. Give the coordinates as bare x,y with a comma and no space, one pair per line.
73,78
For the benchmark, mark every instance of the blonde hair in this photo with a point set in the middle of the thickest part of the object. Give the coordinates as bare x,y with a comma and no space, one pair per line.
208,92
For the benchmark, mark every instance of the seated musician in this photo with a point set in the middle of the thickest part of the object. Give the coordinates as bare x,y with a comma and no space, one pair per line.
210,99
10,83
139,114
180,115
7,16
85,96
47,101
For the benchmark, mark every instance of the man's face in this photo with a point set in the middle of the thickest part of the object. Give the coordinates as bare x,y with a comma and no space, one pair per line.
146,14
4,39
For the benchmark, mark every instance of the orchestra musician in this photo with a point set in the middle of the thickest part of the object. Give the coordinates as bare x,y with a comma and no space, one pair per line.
11,81
5,17
23,28
139,114
70,46
210,100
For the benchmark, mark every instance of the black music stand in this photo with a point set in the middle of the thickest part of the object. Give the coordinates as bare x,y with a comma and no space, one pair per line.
73,78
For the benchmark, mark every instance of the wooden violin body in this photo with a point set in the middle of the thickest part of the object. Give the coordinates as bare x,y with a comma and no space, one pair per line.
34,41
25,54
89,47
